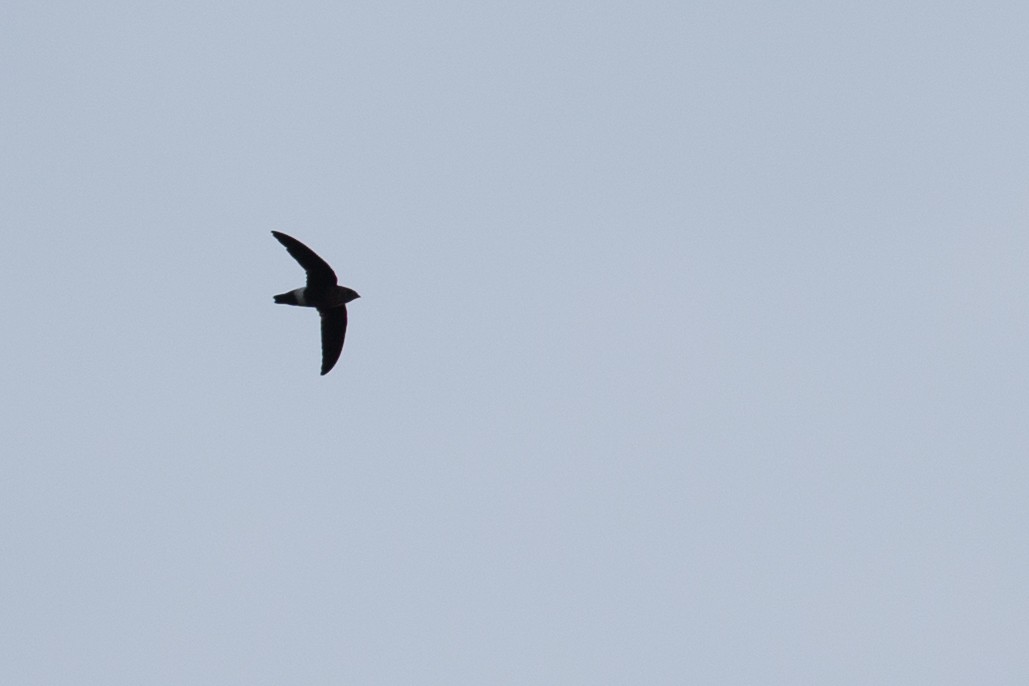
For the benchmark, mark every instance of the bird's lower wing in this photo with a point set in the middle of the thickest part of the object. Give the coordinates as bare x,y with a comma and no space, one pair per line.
334,330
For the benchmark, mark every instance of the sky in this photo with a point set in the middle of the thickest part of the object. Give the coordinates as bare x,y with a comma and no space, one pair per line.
691,346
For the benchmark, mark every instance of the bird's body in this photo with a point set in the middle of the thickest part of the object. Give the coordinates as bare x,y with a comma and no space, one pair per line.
322,292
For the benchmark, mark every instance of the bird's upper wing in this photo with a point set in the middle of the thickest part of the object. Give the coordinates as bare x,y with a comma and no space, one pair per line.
319,273
334,330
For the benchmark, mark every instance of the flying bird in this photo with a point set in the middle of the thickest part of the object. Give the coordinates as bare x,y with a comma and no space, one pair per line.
323,292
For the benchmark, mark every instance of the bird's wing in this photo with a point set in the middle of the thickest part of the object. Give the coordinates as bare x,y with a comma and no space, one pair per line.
319,273
334,329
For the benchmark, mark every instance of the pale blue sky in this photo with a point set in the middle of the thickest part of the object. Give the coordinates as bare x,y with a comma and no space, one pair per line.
692,345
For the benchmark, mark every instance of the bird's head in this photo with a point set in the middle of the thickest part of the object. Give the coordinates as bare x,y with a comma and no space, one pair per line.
348,294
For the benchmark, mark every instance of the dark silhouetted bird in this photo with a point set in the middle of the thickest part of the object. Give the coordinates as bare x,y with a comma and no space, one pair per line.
323,292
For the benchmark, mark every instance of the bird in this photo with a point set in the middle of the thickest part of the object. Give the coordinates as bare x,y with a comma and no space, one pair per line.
322,292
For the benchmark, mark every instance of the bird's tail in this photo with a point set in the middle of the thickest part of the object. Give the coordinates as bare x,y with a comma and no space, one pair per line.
287,298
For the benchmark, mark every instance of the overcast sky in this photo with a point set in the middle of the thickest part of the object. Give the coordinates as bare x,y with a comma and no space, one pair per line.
692,346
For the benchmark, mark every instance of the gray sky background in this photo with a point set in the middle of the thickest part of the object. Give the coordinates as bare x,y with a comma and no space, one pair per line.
692,345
